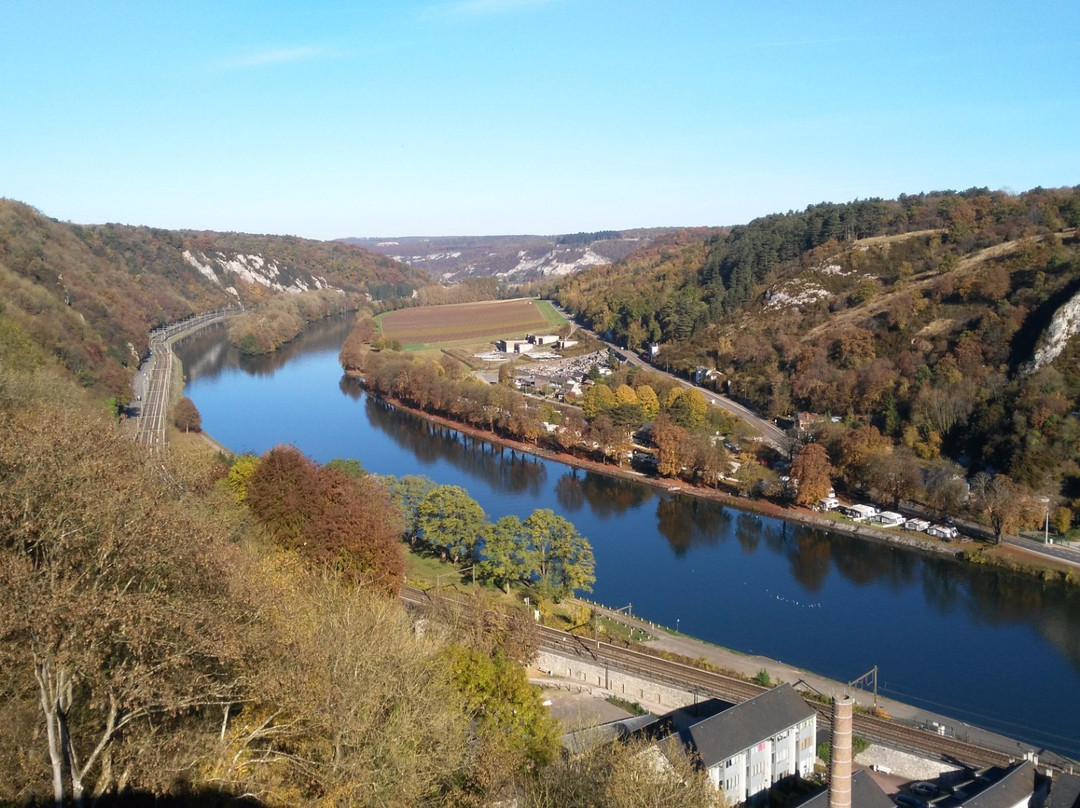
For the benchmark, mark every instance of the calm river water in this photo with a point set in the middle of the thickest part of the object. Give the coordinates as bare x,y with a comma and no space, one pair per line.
988,648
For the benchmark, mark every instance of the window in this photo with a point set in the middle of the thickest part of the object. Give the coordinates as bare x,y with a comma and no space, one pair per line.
805,742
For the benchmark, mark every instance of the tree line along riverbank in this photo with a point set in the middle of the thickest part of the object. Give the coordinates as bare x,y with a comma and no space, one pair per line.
1013,559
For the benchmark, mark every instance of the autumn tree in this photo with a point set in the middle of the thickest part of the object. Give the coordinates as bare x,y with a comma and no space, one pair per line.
240,471
708,458
687,407
337,718
281,492
622,775
856,448
613,441
186,416
598,398
354,349
355,528
625,394
813,472
1061,520
329,516
1008,506
646,397
670,440
895,474
503,705
117,598
945,489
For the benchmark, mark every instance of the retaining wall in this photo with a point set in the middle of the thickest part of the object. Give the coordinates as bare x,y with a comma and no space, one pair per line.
592,676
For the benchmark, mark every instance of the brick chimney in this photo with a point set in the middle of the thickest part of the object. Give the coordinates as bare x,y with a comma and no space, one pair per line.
840,756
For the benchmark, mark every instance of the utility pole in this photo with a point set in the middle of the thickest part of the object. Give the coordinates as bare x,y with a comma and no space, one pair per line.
867,678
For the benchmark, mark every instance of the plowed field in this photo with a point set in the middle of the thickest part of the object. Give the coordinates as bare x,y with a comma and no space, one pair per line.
496,318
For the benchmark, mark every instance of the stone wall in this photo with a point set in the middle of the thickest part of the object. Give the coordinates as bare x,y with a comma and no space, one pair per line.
603,681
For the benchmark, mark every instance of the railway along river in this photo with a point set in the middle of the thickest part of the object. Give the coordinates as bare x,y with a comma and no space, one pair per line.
982,646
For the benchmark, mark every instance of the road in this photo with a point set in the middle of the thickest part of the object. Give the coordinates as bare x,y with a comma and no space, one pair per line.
770,432
775,437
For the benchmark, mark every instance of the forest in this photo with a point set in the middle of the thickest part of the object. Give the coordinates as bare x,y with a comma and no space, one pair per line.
918,316
90,294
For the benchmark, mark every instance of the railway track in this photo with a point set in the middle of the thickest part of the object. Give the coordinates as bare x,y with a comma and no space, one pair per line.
893,734
154,409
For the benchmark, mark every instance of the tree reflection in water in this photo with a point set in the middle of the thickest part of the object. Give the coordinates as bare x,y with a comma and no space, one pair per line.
688,521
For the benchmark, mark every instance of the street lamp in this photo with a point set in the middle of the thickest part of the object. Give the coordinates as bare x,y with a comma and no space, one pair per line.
676,625
1046,524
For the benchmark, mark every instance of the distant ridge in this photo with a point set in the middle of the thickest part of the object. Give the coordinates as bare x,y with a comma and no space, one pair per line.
515,259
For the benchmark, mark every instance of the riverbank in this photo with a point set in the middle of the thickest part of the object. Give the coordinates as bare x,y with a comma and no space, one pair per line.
1019,560
824,601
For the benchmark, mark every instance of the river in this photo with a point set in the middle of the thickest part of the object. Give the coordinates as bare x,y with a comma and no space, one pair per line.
984,646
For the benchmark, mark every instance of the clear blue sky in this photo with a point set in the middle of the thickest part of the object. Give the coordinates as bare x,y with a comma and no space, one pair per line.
480,117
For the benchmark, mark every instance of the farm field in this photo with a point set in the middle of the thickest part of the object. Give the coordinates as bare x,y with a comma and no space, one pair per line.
425,326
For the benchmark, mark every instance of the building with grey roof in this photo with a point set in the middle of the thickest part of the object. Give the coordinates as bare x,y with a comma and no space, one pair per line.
749,747
865,793
1013,789
1064,792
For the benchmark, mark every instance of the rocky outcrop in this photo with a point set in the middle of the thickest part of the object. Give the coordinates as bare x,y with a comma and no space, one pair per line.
216,266
1064,325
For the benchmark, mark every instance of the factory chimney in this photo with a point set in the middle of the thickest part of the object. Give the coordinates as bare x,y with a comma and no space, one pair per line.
840,756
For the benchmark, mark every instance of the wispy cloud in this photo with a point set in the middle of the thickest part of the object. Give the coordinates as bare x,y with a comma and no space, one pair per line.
478,8
272,57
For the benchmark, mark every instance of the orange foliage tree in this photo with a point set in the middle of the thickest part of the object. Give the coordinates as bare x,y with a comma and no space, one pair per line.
329,516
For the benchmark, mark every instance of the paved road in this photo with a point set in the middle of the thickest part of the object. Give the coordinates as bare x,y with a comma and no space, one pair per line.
775,437
770,432
1068,552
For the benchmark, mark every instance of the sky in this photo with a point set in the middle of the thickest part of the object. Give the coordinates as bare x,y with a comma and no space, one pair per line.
381,118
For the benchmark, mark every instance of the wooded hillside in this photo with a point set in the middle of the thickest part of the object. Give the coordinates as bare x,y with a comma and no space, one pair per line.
919,315
91,294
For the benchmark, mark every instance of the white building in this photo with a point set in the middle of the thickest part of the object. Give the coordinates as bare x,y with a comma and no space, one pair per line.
748,748
513,345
